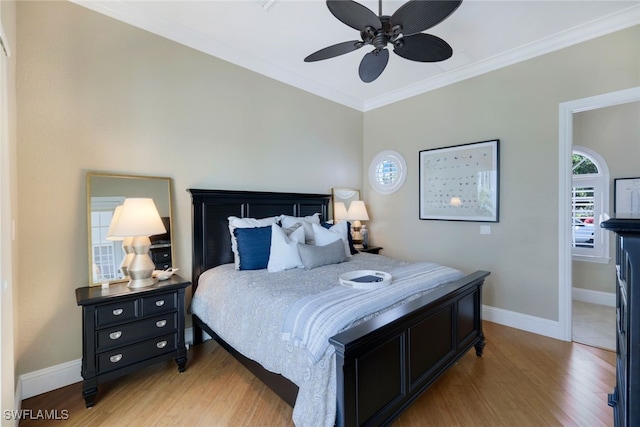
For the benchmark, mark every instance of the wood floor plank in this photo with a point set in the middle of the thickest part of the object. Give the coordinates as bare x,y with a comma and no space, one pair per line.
522,379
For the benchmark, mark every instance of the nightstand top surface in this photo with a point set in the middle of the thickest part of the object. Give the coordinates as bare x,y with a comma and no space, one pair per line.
95,294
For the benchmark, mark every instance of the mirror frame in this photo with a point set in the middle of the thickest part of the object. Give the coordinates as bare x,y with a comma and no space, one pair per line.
90,176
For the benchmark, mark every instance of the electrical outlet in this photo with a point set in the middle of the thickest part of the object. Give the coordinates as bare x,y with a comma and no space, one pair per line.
485,229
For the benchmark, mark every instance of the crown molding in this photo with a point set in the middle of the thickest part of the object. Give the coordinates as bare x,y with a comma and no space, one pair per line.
125,11
615,22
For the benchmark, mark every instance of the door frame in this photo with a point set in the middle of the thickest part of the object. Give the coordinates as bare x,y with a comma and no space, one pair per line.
566,111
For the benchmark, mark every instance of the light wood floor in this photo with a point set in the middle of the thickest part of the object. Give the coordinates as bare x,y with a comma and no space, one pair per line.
522,379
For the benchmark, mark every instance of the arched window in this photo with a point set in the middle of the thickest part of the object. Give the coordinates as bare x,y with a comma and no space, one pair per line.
589,202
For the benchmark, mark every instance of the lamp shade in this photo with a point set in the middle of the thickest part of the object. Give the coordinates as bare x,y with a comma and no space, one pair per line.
357,211
340,211
137,217
112,225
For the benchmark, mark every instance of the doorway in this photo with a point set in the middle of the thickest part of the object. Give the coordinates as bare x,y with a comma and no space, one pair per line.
567,111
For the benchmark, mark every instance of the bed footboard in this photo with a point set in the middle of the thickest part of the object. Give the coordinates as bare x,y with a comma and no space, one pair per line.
384,364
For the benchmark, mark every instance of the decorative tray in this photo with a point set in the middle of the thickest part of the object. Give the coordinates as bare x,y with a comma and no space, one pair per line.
365,279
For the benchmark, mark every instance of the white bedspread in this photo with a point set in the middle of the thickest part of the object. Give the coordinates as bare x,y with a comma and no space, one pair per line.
248,308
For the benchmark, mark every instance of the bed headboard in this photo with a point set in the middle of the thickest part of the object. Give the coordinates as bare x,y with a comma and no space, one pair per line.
211,208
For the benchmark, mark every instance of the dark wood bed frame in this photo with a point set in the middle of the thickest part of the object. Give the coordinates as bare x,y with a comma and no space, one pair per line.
383,364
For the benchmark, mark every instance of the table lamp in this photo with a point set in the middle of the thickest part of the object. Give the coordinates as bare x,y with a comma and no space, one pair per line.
138,219
340,212
126,242
357,212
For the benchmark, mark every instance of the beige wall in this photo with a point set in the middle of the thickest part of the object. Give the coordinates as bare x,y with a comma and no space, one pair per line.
614,133
99,95
519,105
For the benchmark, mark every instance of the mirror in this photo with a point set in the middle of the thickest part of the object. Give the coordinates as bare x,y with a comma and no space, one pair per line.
345,196
104,193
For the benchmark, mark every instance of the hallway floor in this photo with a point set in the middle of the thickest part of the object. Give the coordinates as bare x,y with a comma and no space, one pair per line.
594,325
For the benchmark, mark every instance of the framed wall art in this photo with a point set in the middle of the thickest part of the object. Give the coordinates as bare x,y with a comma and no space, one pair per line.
626,196
460,183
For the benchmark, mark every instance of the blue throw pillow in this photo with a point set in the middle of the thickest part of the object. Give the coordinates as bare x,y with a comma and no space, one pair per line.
254,247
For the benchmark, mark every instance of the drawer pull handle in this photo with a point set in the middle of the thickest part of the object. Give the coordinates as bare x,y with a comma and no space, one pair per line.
161,344
115,358
160,303
118,311
165,255
161,323
115,335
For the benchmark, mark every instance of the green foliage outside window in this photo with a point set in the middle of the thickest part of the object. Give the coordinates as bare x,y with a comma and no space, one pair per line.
583,165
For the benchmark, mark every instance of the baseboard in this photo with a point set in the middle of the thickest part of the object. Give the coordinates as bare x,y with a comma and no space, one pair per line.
54,377
525,322
594,297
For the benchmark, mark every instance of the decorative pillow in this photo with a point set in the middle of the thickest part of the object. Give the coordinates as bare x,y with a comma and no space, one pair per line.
317,256
306,221
284,248
352,248
324,236
235,222
254,245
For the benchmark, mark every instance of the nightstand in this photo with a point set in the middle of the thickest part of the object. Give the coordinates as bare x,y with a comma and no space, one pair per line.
127,329
369,250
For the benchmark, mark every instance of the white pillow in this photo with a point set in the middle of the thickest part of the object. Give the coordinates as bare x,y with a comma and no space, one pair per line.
324,236
284,249
306,221
235,222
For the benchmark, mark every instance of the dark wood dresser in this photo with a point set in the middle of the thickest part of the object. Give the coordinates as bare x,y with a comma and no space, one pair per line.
161,255
126,329
625,398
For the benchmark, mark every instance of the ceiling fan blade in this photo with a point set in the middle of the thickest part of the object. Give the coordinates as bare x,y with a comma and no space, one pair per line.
418,15
335,50
423,48
373,64
354,14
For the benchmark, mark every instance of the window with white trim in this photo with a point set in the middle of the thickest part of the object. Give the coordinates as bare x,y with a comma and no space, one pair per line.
589,202
106,254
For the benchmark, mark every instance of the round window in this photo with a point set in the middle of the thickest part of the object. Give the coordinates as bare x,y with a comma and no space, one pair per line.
387,172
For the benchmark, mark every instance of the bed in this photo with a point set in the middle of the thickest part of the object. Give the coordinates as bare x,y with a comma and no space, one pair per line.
376,368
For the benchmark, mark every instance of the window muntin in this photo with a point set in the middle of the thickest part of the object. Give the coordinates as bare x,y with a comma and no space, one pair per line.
589,202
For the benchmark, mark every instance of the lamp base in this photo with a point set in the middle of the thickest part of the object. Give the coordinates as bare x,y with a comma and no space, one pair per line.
141,283
141,267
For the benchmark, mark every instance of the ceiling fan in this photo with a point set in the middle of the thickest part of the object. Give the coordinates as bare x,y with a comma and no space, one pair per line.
402,30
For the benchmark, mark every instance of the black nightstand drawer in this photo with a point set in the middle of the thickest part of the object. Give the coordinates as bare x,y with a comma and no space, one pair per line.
132,332
135,353
159,255
161,303
116,313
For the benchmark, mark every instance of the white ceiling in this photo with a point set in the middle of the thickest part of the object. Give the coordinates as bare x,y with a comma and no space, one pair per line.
484,34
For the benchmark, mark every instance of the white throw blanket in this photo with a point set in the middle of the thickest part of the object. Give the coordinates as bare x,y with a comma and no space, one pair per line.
311,321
